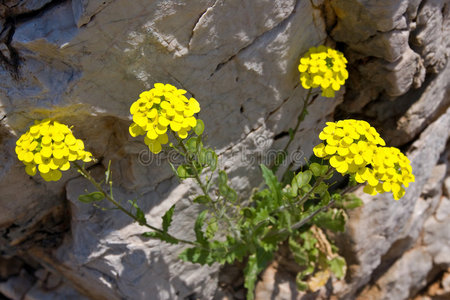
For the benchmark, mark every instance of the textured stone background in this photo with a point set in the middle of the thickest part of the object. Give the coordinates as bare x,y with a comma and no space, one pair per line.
84,62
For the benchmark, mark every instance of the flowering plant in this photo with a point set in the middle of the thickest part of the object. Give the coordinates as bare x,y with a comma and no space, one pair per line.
299,210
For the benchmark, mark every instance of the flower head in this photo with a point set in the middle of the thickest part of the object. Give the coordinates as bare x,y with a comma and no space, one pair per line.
323,67
391,170
159,109
348,144
354,147
49,146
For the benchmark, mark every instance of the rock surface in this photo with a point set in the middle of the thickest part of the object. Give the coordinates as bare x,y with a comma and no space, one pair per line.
84,62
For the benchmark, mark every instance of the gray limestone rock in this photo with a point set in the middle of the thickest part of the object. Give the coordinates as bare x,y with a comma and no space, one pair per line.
83,62
383,226
16,287
405,278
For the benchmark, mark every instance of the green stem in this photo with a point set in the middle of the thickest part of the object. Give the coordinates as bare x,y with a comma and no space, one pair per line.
305,197
300,119
350,189
312,215
109,197
316,184
196,174
301,222
204,187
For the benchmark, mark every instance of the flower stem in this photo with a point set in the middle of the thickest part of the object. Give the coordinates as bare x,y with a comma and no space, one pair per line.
204,188
292,133
301,222
305,197
196,174
313,214
109,197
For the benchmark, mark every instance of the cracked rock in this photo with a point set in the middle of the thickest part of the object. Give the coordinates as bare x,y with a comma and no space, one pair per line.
83,62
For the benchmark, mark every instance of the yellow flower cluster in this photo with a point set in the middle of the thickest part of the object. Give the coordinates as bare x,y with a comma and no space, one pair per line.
323,67
49,146
392,169
354,147
159,108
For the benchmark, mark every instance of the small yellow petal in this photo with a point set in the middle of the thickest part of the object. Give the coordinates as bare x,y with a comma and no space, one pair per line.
43,168
31,170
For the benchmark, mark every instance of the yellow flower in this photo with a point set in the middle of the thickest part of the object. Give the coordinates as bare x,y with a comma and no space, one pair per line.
325,68
159,109
393,171
354,147
49,146
349,141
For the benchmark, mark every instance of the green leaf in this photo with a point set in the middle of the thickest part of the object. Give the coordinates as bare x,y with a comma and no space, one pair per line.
261,215
333,220
291,192
198,228
240,250
231,195
199,128
167,219
184,171
248,212
286,220
269,246
133,203
140,216
257,262
321,189
273,236
301,285
91,197
192,144
325,198
300,255
309,241
202,199
211,160
302,178
160,236
108,172
338,267
226,191
223,178
351,201
318,169
272,182
251,274
208,157
338,200
197,255
212,228
306,188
